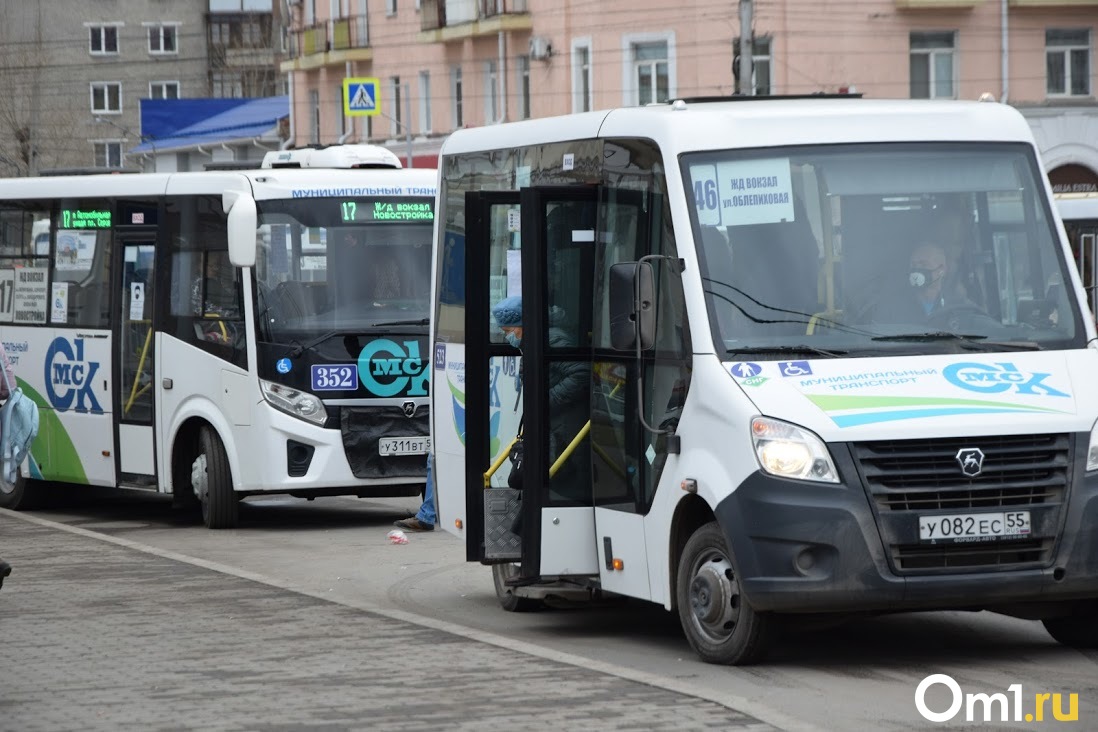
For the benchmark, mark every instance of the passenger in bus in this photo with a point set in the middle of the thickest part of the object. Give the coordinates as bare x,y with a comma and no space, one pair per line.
569,401
215,300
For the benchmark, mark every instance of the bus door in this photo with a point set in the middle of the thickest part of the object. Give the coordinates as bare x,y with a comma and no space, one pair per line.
134,358
540,245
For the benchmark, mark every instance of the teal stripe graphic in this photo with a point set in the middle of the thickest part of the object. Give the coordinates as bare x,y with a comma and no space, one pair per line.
855,420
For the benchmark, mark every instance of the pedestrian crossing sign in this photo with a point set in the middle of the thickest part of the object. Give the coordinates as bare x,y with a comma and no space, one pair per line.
360,97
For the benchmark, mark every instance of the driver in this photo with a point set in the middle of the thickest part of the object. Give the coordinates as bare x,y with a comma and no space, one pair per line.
926,294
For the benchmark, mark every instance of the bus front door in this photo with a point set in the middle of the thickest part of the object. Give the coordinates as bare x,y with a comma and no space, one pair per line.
538,245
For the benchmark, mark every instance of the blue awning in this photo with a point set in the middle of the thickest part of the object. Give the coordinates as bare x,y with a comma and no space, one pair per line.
170,124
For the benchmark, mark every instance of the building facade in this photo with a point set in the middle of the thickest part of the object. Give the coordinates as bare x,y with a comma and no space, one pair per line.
73,73
446,64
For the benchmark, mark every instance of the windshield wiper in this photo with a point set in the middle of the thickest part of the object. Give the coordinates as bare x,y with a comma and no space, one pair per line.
300,349
972,341
392,323
790,349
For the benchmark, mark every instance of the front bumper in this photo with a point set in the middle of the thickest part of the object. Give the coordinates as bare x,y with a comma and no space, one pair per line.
815,547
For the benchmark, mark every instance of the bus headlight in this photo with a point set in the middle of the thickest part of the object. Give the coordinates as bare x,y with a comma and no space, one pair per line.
291,401
788,451
1092,451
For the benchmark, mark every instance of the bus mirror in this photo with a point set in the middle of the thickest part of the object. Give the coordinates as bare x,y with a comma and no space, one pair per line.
243,220
632,306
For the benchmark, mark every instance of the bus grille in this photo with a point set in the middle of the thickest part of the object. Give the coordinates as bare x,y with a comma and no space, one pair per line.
906,479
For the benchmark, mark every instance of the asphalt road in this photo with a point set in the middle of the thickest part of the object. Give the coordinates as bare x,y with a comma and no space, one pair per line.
858,676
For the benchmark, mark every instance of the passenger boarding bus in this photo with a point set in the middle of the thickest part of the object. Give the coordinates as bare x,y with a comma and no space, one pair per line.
1079,212
217,335
834,359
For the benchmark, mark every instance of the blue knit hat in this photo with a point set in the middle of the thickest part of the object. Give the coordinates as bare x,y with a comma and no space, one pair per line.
508,311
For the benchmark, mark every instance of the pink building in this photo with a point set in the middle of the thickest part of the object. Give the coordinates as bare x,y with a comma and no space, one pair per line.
444,64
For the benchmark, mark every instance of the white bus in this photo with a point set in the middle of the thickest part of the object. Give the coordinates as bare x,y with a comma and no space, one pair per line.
836,361
218,335
1079,212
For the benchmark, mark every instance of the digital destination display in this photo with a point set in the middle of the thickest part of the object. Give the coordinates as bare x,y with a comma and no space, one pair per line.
388,211
76,218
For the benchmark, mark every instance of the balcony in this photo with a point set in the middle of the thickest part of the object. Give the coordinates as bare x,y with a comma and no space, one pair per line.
329,44
456,20
937,4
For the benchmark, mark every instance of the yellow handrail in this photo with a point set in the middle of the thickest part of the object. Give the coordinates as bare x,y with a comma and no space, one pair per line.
140,370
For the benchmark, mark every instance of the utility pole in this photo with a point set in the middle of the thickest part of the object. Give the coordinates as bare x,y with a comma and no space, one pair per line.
747,70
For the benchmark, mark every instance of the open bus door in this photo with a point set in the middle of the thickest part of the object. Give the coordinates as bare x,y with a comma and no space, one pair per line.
546,528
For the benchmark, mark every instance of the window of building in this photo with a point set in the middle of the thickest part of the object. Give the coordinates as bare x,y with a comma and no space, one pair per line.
649,68
491,93
396,125
240,31
164,90
424,102
226,84
106,98
104,39
1067,61
314,117
162,39
524,87
932,65
108,153
760,64
390,7
456,98
581,75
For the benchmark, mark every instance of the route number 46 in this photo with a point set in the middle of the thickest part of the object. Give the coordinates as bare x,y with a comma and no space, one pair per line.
705,194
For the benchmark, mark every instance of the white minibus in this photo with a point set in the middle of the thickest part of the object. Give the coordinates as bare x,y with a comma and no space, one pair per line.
834,359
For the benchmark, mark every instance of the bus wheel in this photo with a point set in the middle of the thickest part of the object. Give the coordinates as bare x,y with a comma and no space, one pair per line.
718,622
212,482
1074,631
508,600
20,495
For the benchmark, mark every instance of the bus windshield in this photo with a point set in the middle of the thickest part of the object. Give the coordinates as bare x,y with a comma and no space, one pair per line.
877,249
342,266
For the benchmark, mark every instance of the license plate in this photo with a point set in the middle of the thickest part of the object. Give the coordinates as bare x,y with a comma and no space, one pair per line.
403,446
974,526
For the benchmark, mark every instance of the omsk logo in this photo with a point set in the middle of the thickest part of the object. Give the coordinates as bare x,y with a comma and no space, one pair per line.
997,378
69,378
388,369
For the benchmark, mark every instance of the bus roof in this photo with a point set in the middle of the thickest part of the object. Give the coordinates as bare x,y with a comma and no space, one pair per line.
262,184
685,126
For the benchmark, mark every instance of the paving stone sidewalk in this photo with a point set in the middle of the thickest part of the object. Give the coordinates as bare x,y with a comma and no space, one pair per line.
96,636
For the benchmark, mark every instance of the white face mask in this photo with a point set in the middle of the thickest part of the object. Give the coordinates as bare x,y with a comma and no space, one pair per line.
513,339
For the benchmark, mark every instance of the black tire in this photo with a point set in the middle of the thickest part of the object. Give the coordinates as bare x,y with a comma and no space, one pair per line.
212,482
1074,631
718,621
22,495
508,600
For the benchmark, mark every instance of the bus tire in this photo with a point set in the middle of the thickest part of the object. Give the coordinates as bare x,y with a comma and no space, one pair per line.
212,482
508,600
22,494
1074,631
718,621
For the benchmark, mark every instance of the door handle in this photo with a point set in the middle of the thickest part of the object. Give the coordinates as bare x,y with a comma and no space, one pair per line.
166,383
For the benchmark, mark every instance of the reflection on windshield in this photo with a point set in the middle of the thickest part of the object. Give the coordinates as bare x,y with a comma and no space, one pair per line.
878,249
322,276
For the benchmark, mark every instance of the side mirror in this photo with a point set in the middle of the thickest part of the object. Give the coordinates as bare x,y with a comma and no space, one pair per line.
632,306
243,220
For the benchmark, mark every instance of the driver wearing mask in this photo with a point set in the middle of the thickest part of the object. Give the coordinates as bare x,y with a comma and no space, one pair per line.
927,292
